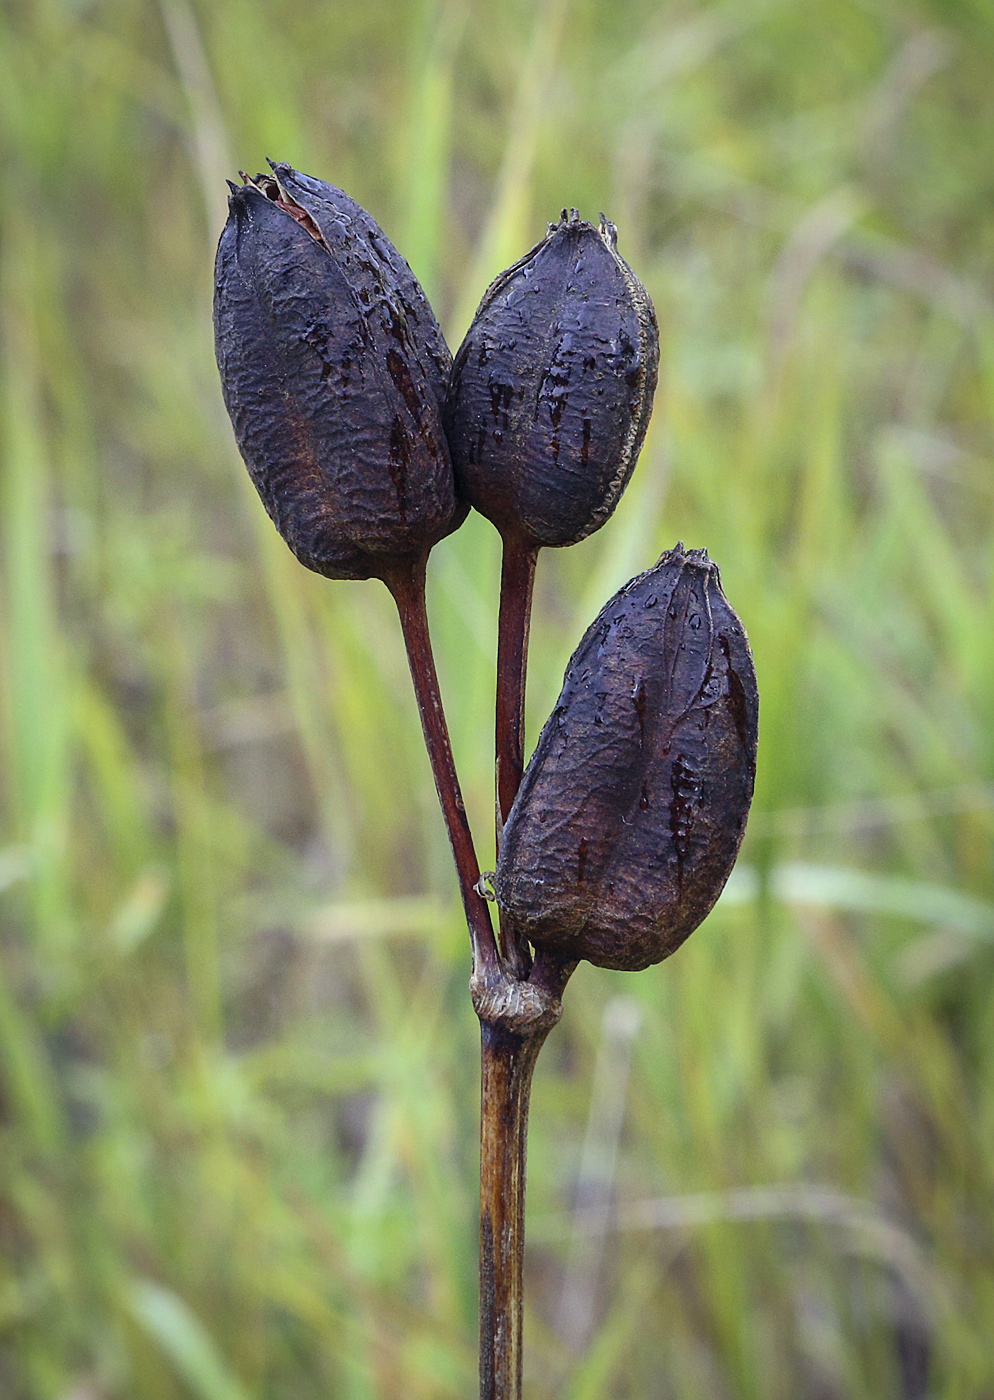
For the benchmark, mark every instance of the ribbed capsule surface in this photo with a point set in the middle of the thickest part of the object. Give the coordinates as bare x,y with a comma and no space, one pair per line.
633,807
333,370
551,391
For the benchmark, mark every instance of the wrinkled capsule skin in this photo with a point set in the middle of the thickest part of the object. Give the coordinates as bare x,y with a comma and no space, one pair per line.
333,370
633,807
551,391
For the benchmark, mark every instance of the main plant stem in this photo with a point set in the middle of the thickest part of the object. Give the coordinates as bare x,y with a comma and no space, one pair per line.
516,1014
508,1060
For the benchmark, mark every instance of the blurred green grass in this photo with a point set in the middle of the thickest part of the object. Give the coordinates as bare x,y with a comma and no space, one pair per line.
237,1059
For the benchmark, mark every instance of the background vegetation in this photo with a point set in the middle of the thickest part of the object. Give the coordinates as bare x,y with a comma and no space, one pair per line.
237,1057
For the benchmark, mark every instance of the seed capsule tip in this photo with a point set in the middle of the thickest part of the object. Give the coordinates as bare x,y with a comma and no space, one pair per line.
680,555
609,232
281,169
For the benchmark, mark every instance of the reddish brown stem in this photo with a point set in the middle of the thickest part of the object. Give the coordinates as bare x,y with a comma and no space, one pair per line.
509,1053
507,1064
518,1004
517,579
407,584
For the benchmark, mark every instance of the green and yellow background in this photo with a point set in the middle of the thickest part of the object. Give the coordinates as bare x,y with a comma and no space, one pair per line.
237,1056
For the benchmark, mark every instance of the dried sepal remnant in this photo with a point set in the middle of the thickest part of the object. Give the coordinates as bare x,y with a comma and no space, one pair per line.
333,369
633,807
551,391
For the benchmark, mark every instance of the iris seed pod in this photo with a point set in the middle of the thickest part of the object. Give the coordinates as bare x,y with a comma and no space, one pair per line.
551,391
632,809
333,369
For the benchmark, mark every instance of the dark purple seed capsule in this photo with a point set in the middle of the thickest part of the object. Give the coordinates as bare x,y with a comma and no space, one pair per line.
632,809
333,369
551,391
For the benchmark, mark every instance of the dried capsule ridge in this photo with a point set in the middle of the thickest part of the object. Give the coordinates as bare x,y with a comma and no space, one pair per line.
333,370
381,279
551,391
633,807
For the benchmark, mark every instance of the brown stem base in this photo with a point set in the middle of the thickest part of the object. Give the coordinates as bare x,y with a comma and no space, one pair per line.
508,1061
511,1038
